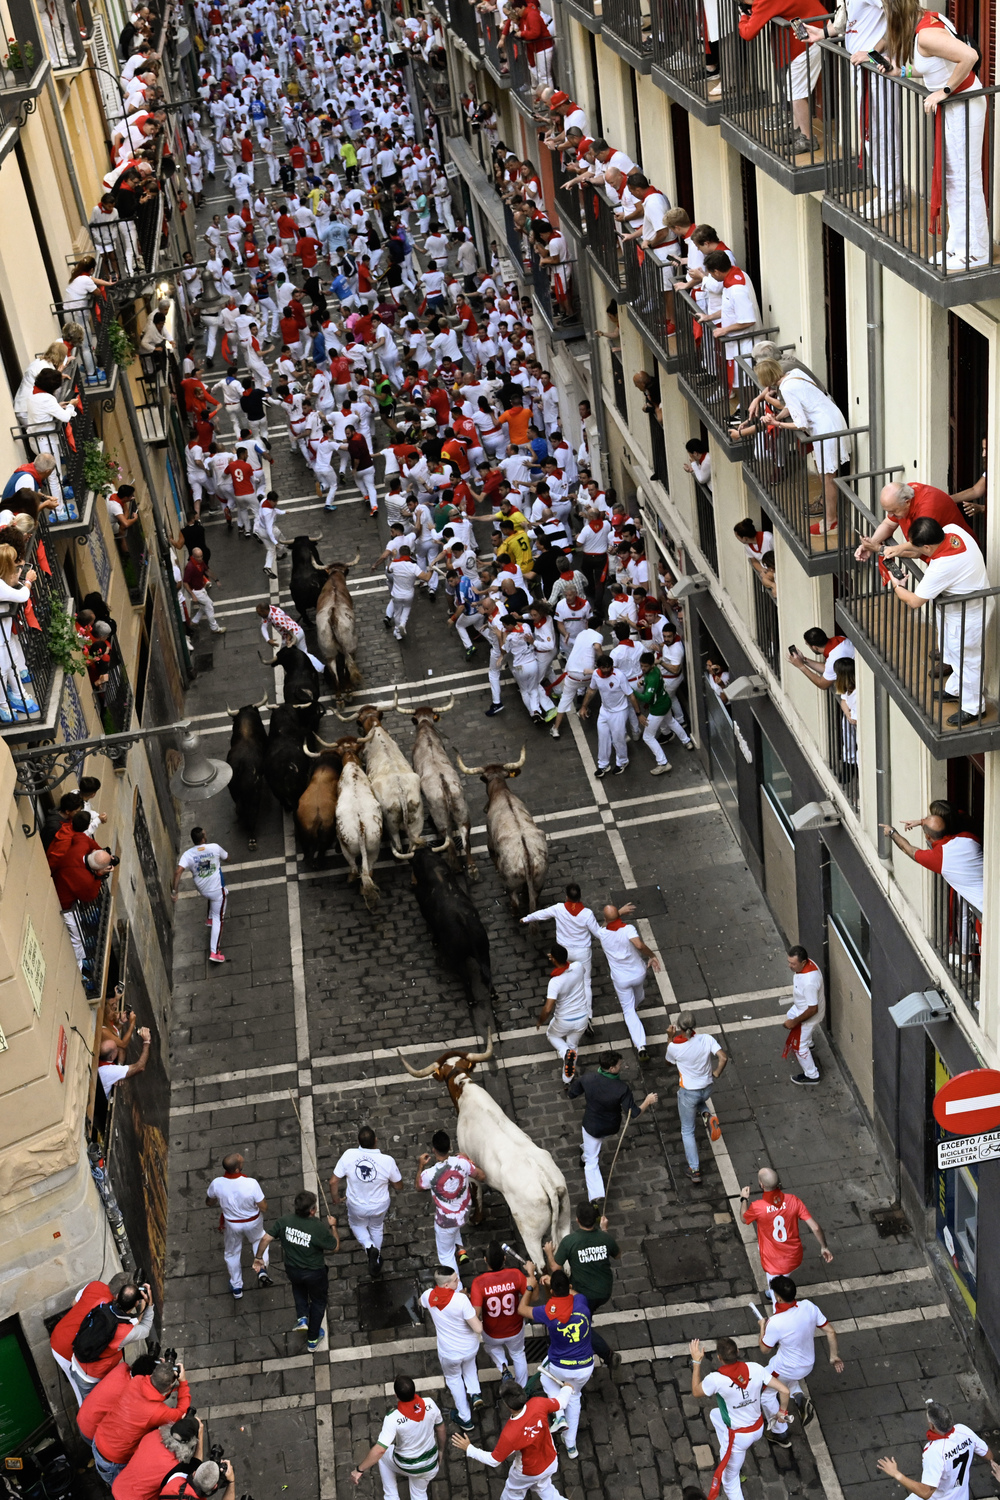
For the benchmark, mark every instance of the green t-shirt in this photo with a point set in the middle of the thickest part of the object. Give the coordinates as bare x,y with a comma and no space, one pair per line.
652,695
303,1240
589,1252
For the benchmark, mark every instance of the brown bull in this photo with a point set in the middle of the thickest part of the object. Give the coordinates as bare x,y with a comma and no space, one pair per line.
517,845
335,629
316,813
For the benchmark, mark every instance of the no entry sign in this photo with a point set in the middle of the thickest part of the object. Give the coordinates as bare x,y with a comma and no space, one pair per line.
969,1103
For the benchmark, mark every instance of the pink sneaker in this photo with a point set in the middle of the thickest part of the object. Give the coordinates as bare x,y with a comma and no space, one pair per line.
216,958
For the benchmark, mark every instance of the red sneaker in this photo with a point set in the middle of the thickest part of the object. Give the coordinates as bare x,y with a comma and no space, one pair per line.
216,958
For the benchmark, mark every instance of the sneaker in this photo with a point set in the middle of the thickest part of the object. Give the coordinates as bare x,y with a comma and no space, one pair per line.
237,1291
645,1055
477,1403
270,573
620,770
555,733
330,508
313,1344
551,715
807,1411
694,1175
572,1452
216,958
493,710
558,1423
302,1323
470,654
221,629
778,1439
387,621
263,1279
614,1360
569,1064
466,1426
690,745
374,1261
801,1078
28,705
661,770
462,1256
601,772
712,1124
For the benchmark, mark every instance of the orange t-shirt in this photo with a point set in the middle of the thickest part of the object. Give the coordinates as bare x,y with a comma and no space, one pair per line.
518,419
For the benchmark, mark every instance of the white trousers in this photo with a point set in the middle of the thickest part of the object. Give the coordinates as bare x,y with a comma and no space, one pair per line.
204,603
75,937
367,1229
216,915
649,734
566,1034
630,996
446,1242
462,1379
67,1368
233,1236
399,612
534,698
804,1051
246,512
965,202
611,734
741,1442
389,1474
553,1381
365,480
464,624
963,650
509,1351
519,1484
592,1165
572,684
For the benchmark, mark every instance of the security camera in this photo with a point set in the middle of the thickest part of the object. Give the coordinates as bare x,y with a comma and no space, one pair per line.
814,815
752,686
691,583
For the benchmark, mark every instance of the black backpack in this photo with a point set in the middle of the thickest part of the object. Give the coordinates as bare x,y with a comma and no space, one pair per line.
95,1333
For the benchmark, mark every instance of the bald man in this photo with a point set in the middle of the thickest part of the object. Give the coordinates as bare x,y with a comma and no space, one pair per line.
777,1215
903,504
243,1205
629,961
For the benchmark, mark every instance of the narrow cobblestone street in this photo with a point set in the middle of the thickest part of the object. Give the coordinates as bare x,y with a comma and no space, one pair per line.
291,1046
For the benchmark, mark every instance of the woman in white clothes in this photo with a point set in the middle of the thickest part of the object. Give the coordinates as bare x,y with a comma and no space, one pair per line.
807,408
42,409
14,594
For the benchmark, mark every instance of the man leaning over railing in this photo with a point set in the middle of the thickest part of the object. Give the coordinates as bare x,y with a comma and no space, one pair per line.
955,567
79,868
955,855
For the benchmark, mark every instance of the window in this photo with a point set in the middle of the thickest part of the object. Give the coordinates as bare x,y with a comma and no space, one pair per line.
968,410
152,879
595,82
777,784
850,921
680,130
751,234
636,142
835,298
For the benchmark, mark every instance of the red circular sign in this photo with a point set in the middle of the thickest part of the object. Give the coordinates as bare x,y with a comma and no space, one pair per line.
969,1103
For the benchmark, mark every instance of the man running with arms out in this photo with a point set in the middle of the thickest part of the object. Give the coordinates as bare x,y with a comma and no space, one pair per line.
410,1443
566,1010
205,862
527,1435
777,1215
447,1177
738,1386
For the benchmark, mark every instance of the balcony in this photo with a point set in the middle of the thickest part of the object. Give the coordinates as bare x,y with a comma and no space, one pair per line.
516,242
627,28
62,28
842,748
648,308
757,111
66,442
115,699
24,66
720,394
494,54
560,324
566,197
522,86
37,642
707,540
587,12
680,51
604,241
133,553
93,922
461,21
883,179
97,368
908,649
956,931
765,625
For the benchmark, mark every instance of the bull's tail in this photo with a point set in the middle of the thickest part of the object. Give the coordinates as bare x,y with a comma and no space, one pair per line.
369,889
559,1207
353,670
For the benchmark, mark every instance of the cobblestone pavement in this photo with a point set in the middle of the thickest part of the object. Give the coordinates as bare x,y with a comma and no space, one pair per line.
286,1050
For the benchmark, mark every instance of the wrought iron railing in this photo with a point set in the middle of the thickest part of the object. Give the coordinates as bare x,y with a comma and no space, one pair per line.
681,47
27,666
134,554
706,526
93,922
842,747
95,316
649,304
568,205
940,656
463,22
66,442
520,72
765,621
956,932
618,384
116,698
22,53
718,380
760,78
516,243
924,182
604,240
61,26
630,21
492,50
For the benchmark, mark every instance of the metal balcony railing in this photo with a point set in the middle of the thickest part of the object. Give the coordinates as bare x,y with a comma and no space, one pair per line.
94,922
922,184
61,28
95,316
134,554
682,54
648,307
939,661
23,59
720,386
521,85
27,666
618,383
516,242
494,55
65,441
566,196
561,324
760,79
842,748
765,622
631,23
462,20
116,697
706,526
604,240
956,932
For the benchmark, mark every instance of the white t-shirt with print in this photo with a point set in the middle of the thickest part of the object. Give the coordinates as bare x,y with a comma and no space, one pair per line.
205,863
367,1175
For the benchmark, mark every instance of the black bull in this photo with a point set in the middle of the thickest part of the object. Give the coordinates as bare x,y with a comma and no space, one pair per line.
456,928
247,749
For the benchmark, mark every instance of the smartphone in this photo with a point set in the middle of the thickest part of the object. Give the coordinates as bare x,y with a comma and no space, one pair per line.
896,569
879,59
799,29
794,651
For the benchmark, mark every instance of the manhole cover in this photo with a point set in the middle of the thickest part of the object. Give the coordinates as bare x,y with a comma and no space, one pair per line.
383,1304
890,1221
680,1260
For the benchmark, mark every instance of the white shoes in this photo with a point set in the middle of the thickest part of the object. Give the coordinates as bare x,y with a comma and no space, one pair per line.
662,769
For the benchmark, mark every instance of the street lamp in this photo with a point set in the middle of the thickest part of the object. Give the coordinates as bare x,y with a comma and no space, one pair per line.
44,767
199,777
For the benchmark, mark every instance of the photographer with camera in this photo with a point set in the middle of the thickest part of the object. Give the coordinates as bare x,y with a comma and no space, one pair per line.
142,1407
163,1460
79,868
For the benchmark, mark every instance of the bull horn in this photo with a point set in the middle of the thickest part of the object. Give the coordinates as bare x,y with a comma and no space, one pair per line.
364,739
354,563
515,765
346,718
446,707
261,704
322,742
407,857
395,703
316,538
468,770
233,712
478,1057
309,703
272,663
312,754
440,848
416,1072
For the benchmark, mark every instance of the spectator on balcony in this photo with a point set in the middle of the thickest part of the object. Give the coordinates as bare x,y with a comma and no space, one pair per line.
828,652
954,854
973,500
54,358
602,158
737,309
83,286
15,592
42,410
846,684
568,116
699,464
925,45
25,492
799,61
903,505
123,512
755,543
79,869
803,406
955,566
537,38
154,342
113,1068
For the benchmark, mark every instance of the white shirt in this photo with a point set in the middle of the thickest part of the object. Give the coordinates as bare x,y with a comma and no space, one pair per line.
575,621
404,573
205,863
455,1339
368,1175
614,690
238,1197
409,1441
624,960
692,1057
842,650
569,992
807,990
110,1074
959,569
947,1461
586,644
795,1330
574,930
742,1407
595,542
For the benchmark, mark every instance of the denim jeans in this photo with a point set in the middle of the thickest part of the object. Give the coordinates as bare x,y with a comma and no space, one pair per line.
108,1471
309,1288
690,1103
598,1342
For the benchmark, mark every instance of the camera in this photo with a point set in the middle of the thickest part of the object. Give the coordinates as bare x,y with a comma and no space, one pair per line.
217,1453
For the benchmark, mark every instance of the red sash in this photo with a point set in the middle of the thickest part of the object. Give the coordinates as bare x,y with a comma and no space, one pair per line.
792,1040
927,21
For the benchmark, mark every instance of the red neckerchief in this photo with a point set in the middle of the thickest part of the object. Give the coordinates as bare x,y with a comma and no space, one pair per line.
559,1308
232,1175
615,926
596,525
784,1306
573,907
776,1197
937,1437
951,544
569,573
559,969
734,277
441,1296
413,1409
582,604
621,598
737,1373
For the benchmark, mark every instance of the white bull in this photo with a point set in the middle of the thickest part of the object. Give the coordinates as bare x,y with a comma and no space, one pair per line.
358,819
440,783
394,782
524,1173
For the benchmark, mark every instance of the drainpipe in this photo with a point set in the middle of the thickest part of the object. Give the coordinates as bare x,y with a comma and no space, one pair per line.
67,154
876,460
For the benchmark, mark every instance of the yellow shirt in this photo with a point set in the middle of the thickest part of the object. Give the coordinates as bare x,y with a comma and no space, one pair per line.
518,548
518,517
